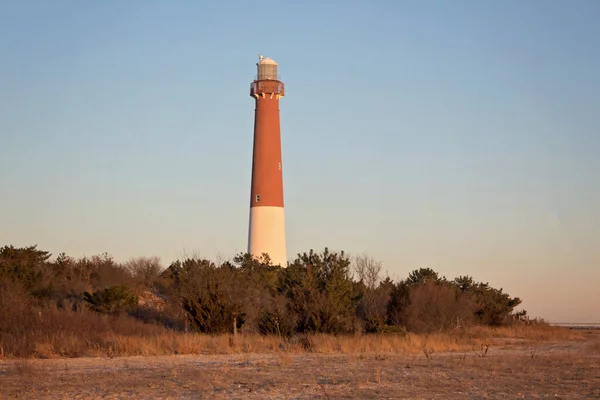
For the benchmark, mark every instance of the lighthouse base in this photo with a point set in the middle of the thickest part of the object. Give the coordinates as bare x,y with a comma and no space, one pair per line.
267,233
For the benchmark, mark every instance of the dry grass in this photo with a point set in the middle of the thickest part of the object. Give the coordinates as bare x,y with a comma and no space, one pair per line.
55,333
515,374
534,332
517,362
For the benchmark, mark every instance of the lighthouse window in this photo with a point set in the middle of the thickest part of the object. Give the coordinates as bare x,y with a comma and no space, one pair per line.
257,198
279,166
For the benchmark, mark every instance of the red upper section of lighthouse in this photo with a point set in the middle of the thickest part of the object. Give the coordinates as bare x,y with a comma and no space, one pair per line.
267,175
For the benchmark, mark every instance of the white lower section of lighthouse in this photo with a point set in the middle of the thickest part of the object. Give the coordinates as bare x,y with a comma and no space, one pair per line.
267,233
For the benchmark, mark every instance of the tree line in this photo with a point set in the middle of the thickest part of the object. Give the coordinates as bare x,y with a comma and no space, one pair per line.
318,292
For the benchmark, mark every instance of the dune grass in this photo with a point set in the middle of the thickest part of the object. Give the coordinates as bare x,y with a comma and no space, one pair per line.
54,333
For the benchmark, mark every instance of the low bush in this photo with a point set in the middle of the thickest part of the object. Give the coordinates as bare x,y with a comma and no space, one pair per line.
73,306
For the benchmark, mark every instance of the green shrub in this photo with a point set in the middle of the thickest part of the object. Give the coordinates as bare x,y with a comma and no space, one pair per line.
112,300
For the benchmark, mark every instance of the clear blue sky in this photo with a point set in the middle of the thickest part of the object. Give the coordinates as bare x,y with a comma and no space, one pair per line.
458,135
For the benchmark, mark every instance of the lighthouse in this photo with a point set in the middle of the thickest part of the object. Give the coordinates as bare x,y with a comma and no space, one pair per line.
266,233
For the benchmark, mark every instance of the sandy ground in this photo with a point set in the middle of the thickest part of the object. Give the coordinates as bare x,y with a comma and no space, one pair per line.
560,370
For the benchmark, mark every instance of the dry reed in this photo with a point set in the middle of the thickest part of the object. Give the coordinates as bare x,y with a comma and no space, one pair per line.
57,333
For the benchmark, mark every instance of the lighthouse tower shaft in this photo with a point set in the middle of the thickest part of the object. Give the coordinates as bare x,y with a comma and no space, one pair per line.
267,221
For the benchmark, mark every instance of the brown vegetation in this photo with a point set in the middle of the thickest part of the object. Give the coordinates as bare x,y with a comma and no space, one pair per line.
325,326
322,302
52,333
533,370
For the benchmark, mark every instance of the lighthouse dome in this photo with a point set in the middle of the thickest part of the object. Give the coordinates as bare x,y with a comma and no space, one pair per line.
266,60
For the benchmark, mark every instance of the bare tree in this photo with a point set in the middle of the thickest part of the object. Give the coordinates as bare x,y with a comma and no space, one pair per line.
221,259
372,306
145,270
367,270
438,308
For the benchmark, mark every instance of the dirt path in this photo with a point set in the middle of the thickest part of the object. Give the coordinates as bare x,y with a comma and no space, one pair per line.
552,370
